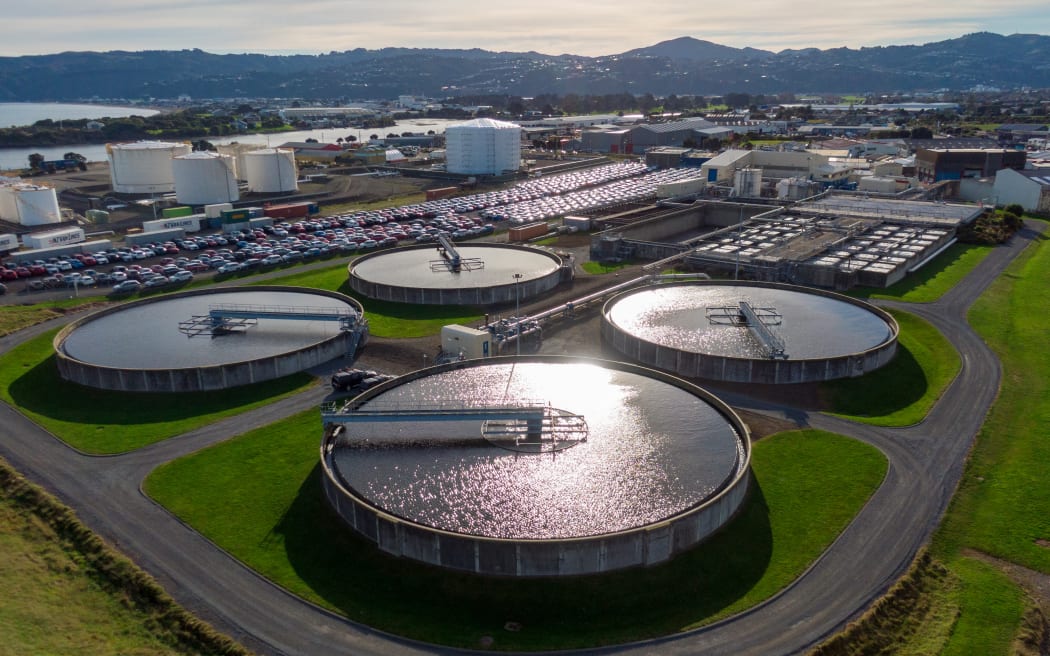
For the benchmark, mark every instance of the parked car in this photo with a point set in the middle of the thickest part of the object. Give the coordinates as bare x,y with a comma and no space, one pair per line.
181,276
126,287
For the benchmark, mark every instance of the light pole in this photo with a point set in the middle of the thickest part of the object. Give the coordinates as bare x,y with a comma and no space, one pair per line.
517,310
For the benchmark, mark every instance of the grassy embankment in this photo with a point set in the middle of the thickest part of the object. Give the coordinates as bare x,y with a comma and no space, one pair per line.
259,497
971,606
101,421
902,392
933,280
67,592
1002,507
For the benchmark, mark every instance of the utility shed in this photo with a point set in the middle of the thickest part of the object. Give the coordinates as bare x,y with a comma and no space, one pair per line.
469,343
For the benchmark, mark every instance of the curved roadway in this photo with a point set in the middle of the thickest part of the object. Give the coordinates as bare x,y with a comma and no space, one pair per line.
926,462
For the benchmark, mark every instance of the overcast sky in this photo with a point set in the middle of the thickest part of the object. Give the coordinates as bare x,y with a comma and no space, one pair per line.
547,26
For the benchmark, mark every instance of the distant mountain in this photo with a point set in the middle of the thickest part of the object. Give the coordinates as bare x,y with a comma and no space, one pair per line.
681,66
687,48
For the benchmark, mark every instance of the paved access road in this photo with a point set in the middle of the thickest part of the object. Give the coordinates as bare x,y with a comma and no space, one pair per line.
926,462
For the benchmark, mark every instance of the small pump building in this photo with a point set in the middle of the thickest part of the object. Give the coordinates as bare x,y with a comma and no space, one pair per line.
465,342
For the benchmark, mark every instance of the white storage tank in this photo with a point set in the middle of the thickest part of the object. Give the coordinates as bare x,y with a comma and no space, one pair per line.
237,150
28,204
204,177
271,170
748,182
144,167
483,147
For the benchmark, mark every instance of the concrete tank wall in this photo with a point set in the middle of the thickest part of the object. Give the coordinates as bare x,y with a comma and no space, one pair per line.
647,545
199,379
490,295
759,371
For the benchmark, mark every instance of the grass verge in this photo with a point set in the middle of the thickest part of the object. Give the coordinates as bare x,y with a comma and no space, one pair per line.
67,592
1002,501
385,319
103,421
931,282
597,268
902,392
258,496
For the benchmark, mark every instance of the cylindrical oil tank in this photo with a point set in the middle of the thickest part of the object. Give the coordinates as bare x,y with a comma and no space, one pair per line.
271,170
204,178
238,150
29,204
144,167
748,182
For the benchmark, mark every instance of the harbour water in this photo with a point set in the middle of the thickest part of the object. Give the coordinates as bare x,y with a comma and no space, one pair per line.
18,158
16,114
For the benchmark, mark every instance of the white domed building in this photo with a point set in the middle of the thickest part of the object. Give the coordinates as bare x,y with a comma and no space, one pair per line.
483,147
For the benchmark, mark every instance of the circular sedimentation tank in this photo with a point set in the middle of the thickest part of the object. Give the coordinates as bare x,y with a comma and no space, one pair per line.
785,334
170,343
536,466
487,274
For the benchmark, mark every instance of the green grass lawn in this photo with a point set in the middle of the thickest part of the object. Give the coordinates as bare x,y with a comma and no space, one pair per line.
1002,506
593,267
259,497
385,319
102,421
990,610
902,392
1003,503
933,280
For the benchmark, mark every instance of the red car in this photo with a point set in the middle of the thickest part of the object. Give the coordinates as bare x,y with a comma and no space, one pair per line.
23,272
8,274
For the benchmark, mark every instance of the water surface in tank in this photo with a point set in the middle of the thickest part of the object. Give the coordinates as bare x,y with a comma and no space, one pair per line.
412,267
652,450
147,336
812,326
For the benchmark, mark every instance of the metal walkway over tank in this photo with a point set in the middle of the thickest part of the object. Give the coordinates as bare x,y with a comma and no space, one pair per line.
756,319
451,260
519,425
235,317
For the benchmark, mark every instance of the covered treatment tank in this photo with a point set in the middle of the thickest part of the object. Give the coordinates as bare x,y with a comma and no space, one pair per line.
271,170
204,178
144,167
483,147
28,204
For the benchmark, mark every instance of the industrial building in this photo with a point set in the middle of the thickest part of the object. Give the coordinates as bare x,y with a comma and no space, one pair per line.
28,204
1029,188
483,147
937,164
835,241
144,167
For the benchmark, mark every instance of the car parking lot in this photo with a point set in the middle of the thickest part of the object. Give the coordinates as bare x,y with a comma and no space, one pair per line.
179,261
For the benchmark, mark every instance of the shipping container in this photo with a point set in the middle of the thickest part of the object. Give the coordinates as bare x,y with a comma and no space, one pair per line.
44,253
140,238
526,232
292,210
8,243
442,192
235,216
62,237
581,223
175,212
186,223
215,211
261,222
466,342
